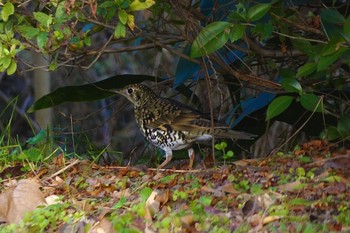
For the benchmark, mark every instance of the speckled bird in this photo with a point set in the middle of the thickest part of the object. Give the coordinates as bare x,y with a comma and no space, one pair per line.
170,125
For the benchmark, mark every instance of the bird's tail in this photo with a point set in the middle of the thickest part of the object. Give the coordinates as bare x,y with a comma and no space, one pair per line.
229,133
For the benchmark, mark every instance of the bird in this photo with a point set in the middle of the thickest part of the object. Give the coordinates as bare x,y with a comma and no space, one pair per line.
171,125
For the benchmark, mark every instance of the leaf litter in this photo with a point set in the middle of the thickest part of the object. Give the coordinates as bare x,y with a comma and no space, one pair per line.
307,190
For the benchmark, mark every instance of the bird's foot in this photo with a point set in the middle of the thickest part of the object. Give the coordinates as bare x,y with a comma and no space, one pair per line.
191,155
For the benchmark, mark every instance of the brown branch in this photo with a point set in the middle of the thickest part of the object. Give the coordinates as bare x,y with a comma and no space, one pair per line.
251,79
271,53
304,28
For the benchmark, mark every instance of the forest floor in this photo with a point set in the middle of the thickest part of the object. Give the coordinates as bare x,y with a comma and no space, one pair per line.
307,190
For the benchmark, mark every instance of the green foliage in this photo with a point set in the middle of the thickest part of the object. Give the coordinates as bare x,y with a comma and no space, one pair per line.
145,193
46,218
258,11
277,106
312,102
7,10
342,130
180,195
53,26
211,38
222,147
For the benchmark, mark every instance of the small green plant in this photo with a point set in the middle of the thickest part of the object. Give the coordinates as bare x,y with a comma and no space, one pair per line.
46,218
243,185
180,195
225,154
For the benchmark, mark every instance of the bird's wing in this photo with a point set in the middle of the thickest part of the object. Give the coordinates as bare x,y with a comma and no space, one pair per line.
177,117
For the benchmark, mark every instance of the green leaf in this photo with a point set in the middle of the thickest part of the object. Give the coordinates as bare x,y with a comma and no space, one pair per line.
332,133
240,14
106,4
53,65
123,16
40,137
344,126
304,46
277,106
264,30
205,200
88,92
7,10
218,146
32,154
347,28
41,39
43,19
123,3
292,85
137,5
211,38
300,201
237,32
167,179
145,193
332,16
258,11
12,68
28,31
309,228
326,61
120,31
120,203
229,154
300,171
223,145
6,62
330,48
311,102
306,69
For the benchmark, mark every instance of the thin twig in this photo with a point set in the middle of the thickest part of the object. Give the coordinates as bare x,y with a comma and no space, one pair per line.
62,170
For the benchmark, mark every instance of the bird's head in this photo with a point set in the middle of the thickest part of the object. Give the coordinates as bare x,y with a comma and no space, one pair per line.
137,93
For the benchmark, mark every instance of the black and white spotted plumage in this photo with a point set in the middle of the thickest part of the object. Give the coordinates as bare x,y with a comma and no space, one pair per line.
170,125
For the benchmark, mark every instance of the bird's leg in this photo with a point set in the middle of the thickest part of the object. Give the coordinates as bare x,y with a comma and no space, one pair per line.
191,155
168,157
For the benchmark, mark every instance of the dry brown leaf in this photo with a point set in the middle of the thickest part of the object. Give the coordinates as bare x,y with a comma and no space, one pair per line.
216,192
52,199
245,162
152,204
4,203
188,219
254,220
120,194
289,187
163,197
228,188
17,201
270,219
103,226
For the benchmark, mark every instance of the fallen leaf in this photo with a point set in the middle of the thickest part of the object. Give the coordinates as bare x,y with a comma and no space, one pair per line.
11,172
254,220
25,197
152,204
335,188
188,219
228,188
52,199
103,226
292,186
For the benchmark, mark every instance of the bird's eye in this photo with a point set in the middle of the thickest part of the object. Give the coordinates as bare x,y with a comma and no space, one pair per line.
130,90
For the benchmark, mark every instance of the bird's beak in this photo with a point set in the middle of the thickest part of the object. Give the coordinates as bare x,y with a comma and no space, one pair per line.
120,92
